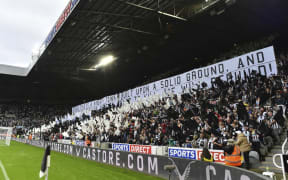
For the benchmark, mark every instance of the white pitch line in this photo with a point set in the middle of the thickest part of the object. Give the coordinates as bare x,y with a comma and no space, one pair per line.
4,171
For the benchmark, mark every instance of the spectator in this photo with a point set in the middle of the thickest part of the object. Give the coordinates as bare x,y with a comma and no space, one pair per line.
244,146
273,124
202,141
256,140
232,154
206,156
214,142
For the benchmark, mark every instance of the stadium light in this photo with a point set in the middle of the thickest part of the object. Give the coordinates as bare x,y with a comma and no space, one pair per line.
105,61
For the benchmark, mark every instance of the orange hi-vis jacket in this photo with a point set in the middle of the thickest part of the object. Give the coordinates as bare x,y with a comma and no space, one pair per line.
235,158
87,142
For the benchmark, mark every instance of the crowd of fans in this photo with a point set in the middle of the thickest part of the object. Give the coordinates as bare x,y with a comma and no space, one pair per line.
248,112
200,118
254,108
26,116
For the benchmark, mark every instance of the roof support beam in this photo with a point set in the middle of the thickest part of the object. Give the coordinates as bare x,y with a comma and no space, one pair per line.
84,39
132,29
110,14
118,27
152,10
144,2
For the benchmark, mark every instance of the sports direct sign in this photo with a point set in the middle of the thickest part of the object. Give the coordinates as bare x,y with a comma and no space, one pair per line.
185,153
194,154
132,148
218,155
121,147
140,149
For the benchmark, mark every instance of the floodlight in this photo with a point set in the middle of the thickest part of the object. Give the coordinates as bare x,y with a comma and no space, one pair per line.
105,61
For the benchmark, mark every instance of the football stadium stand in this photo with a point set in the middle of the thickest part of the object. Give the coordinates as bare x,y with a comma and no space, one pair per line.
192,90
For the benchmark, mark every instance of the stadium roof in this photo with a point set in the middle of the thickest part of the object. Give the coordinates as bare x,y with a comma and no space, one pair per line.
147,37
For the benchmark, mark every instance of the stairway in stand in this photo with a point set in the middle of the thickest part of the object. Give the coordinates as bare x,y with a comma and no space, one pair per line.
276,149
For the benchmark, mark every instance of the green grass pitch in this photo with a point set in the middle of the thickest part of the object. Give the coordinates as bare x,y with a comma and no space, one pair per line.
23,162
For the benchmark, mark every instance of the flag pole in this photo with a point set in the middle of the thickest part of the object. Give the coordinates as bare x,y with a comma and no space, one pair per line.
45,164
46,178
48,165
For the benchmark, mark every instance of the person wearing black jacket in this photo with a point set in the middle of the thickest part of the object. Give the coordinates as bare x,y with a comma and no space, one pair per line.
266,132
255,138
206,156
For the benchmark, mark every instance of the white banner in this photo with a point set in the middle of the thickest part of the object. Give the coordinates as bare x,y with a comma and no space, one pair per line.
262,61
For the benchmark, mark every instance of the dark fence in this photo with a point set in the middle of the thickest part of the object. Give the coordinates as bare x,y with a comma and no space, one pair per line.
151,164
